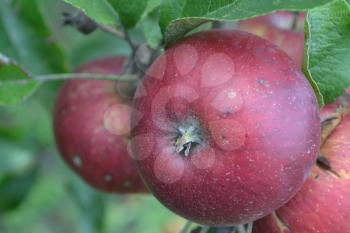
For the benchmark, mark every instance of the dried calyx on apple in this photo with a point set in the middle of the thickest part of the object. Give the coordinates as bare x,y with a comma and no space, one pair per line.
189,135
225,128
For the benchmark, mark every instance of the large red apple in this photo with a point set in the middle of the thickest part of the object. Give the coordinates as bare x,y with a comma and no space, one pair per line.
278,28
225,128
91,123
323,204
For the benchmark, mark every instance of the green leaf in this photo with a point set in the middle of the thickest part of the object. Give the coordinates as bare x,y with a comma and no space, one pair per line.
131,12
99,10
91,205
79,48
17,175
29,11
328,49
35,129
23,43
151,30
151,6
12,90
14,159
15,188
179,17
96,46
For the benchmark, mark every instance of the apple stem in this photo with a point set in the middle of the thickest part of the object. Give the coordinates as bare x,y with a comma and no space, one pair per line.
243,228
142,56
86,25
295,20
205,229
249,227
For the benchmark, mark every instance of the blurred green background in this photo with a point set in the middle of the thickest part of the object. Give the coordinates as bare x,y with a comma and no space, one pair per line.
38,193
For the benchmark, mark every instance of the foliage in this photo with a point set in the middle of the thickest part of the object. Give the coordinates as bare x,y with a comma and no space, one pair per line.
33,43
327,48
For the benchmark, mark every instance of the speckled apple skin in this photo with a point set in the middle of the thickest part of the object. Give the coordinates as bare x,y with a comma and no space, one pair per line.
322,205
276,28
83,137
259,117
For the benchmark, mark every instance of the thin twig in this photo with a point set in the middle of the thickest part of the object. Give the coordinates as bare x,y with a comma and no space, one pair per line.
129,40
241,229
129,66
249,227
187,227
204,229
111,31
74,76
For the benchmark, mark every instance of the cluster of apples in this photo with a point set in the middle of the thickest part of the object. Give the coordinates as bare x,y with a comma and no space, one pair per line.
223,129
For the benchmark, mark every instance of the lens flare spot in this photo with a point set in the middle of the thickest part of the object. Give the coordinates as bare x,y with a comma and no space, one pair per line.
217,69
169,168
108,178
117,119
228,101
185,58
204,158
228,134
157,69
77,161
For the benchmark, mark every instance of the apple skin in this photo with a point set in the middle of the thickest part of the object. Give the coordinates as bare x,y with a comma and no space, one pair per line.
254,117
91,125
277,28
323,204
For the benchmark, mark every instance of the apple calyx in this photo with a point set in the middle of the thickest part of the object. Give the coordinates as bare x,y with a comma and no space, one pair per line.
189,135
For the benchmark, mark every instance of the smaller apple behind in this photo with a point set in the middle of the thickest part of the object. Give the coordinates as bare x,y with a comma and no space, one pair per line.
285,29
323,204
92,127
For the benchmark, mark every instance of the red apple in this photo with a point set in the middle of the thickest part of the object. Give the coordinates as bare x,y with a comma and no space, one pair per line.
225,128
278,28
91,123
323,204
